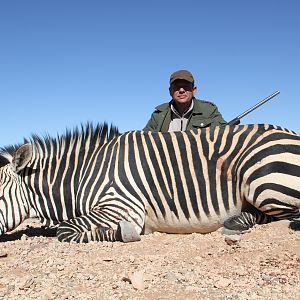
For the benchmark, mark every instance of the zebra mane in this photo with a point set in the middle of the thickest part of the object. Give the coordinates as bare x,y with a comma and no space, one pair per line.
95,135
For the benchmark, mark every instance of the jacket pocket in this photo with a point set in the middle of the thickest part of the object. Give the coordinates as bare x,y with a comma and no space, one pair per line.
200,123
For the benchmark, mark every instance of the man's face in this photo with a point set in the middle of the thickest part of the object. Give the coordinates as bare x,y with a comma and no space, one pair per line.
182,91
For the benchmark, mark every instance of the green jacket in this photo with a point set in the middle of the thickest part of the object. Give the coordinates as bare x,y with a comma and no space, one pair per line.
204,114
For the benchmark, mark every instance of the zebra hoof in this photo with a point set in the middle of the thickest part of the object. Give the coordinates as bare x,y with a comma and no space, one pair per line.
236,225
227,231
127,233
295,224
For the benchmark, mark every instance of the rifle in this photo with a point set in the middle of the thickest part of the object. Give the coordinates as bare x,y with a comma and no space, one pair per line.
237,120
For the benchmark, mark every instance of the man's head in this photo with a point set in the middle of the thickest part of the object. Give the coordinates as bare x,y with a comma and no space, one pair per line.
182,89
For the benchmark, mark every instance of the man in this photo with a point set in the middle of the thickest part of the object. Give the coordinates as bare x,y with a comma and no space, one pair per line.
184,111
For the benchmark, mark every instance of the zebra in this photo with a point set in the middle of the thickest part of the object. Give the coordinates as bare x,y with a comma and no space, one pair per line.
96,184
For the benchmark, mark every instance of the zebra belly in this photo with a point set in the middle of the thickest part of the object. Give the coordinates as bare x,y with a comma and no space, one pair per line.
172,224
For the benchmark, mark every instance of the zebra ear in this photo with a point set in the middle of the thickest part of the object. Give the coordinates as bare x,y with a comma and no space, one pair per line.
21,157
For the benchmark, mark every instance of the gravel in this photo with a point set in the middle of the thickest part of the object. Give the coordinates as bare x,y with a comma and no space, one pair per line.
263,264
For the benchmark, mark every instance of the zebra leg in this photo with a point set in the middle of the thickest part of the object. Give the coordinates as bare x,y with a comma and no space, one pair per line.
89,228
243,222
280,209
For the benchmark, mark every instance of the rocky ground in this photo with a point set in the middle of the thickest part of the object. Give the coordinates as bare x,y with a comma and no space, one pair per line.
264,264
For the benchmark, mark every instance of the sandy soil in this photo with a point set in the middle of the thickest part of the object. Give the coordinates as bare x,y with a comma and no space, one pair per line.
264,264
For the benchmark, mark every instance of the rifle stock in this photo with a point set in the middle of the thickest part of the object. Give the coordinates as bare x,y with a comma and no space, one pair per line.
235,121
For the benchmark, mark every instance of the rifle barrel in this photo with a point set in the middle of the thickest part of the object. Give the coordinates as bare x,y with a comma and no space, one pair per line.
258,105
237,119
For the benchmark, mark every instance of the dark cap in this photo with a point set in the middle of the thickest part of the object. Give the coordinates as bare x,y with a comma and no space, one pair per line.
182,74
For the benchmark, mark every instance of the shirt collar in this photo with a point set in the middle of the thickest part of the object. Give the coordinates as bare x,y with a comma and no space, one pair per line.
185,113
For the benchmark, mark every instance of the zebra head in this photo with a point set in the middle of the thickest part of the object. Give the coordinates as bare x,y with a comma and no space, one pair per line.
14,207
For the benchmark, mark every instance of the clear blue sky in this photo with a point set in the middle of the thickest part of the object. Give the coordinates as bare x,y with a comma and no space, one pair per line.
65,62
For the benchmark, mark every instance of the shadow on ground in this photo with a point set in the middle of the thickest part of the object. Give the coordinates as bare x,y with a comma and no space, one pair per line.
29,231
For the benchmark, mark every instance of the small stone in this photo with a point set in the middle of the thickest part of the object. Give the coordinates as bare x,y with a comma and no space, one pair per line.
157,233
26,283
107,259
24,237
170,276
126,278
283,279
222,283
266,277
137,280
198,258
3,254
241,272
233,239
60,267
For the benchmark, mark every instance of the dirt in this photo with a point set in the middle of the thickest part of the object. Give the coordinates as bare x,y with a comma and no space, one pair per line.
264,264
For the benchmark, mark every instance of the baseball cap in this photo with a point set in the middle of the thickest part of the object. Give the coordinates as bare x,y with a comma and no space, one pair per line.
182,74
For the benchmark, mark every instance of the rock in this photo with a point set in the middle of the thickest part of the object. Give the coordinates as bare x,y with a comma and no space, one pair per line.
126,278
26,283
137,280
222,283
108,259
60,267
198,258
170,276
3,254
24,237
233,239
241,271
